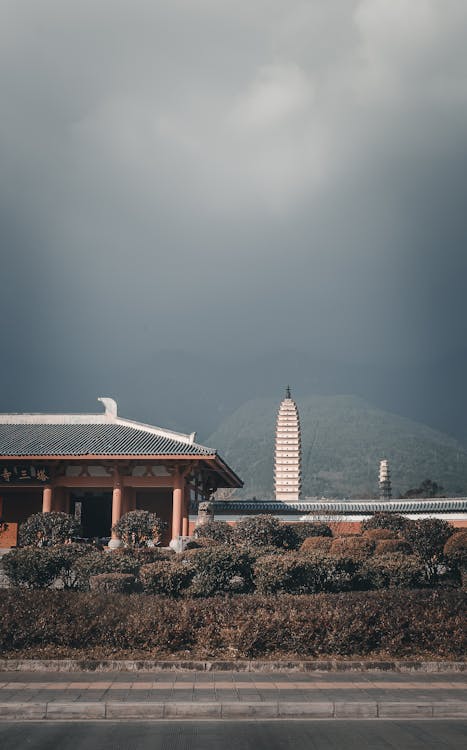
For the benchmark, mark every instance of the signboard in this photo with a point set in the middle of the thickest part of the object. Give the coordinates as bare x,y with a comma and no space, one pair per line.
23,474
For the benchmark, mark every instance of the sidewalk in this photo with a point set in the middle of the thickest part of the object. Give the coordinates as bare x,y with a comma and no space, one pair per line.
203,695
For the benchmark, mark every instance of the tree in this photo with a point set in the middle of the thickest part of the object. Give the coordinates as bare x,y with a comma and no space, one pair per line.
428,488
427,538
138,527
48,529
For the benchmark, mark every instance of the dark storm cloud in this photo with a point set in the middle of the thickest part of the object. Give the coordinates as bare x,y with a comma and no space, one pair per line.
217,176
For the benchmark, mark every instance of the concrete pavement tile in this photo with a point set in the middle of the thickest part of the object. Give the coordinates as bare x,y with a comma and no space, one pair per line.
313,709
76,710
134,710
447,709
193,710
393,710
22,711
355,709
251,710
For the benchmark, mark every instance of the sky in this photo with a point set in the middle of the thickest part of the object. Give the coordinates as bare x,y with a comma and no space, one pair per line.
217,186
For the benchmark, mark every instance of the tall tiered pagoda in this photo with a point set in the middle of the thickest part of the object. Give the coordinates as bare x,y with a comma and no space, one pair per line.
287,466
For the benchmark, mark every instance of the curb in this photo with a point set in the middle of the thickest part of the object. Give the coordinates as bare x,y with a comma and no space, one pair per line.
146,665
118,710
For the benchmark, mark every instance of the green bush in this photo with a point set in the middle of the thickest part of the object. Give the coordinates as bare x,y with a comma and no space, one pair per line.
352,547
167,578
30,567
306,529
95,563
264,531
48,529
378,624
138,527
427,538
392,571
113,583
388,546
144,555
290,573
386,520
219,570
217,531
316,544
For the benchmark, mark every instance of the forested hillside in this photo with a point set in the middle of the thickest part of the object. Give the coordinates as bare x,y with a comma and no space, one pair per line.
343,440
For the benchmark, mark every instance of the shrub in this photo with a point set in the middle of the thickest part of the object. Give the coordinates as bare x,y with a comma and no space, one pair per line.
386,520
166,578
392,571
427,538
48,529
264,531
95,563
316,543
113,583
30,567
144,555
376,535
215,568
138,527
352,547
217,531
306,529
388,546
388,624
455,552
290,573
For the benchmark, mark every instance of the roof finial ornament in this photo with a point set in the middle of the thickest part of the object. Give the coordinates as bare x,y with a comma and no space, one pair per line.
287,392
110,406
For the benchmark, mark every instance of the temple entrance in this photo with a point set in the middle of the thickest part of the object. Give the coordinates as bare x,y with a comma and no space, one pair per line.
93,510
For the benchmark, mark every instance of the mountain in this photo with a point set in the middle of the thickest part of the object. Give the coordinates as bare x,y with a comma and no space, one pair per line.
343,440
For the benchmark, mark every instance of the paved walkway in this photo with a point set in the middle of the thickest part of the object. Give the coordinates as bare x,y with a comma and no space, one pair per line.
226,694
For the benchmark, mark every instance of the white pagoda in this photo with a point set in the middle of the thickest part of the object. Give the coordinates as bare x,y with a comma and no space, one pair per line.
288,454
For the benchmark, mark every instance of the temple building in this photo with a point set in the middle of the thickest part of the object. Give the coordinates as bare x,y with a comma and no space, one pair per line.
287,464
99,466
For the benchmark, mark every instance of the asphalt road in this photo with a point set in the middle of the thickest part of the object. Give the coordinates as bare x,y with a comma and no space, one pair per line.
239,735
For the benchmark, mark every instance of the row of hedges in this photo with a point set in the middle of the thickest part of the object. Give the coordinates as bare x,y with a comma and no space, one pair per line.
204,572
389,623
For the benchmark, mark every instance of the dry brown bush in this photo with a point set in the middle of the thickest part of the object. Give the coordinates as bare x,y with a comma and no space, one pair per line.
355,548
388,546
391,623
377,534
316,543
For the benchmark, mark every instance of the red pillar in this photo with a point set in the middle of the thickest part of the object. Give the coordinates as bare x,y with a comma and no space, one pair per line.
47,499
186,512
116,502
177,506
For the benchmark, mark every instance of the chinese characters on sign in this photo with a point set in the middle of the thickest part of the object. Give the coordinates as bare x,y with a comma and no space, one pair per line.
19,473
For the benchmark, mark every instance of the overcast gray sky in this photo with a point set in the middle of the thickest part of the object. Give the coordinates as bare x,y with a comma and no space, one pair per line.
229,177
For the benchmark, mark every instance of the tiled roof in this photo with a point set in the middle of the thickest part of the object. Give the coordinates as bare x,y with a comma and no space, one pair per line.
421,505
91,439
91,434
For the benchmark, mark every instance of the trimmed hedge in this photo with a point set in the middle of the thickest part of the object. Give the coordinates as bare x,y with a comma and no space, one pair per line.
353,547
167,579
392,624
385,520
306,529
392,571
113,583
376,535
387,546
264,531
215,531
316,543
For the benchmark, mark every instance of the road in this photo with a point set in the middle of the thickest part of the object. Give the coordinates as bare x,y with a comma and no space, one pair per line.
239,735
